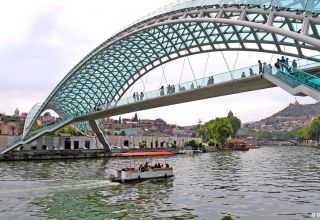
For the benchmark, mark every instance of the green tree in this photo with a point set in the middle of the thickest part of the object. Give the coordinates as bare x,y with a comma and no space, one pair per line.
218,130
302,134
142,145
235,123
211,142
66,130
122,133
314,129
8,118
192,143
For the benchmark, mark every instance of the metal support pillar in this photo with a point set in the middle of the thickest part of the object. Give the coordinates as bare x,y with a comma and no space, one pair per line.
100,135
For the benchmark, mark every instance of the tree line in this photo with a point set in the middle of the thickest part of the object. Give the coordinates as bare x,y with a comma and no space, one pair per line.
310,132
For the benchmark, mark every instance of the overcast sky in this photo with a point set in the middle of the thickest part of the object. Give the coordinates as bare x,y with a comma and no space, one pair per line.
41,41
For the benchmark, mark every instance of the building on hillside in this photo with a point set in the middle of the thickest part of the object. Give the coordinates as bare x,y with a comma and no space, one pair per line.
23,116
16,113
296,103
10,128
45,119
160,124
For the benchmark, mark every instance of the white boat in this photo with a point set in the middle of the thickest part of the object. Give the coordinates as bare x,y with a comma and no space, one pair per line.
133,174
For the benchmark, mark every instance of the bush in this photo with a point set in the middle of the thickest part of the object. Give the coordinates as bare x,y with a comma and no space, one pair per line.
192,143
142,145
34,148
211,142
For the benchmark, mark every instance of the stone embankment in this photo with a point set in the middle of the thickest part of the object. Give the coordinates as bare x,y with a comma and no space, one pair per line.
71,154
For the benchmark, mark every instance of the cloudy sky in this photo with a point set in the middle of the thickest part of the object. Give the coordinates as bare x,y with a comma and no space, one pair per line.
41,41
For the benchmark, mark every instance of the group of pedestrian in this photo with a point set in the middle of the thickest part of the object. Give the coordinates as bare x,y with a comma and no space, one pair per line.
138,97
171,89
182,88
262,67
283,64
210,81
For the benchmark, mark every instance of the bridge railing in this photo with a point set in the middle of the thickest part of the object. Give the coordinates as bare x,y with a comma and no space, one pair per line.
305,63
187,86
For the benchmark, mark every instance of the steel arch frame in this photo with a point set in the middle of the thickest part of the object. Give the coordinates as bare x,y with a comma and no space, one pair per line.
168,36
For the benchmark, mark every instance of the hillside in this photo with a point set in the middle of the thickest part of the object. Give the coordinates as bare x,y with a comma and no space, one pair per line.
290,118
297,110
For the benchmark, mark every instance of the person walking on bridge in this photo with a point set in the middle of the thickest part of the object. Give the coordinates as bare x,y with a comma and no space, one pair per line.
260,67
161,90
134,97
294,65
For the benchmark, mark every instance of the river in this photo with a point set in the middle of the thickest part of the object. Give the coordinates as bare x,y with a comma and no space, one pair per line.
277,182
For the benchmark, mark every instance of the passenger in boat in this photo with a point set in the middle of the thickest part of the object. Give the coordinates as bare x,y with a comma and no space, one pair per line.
146,166
140,167
167,165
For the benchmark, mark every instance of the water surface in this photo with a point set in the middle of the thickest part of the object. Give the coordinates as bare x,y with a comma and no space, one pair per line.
266,183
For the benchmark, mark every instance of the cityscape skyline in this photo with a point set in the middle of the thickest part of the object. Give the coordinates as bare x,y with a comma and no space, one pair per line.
44,40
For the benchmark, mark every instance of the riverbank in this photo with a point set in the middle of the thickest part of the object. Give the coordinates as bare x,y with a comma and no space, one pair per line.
89,153
73,154
314,145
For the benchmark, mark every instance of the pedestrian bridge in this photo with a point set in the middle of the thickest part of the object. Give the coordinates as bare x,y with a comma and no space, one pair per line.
95,87
247,79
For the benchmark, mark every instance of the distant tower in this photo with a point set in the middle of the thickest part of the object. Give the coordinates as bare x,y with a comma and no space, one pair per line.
230,114
16,112
296,103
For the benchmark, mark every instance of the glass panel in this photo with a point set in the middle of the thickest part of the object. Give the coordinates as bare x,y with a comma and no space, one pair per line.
291,4
313,6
